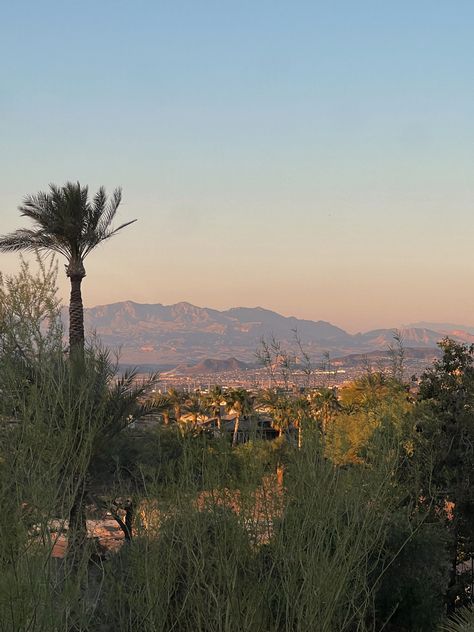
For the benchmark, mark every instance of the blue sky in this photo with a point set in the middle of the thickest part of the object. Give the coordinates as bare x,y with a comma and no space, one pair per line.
314,158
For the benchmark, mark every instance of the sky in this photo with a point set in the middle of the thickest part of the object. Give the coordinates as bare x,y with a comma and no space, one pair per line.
315,158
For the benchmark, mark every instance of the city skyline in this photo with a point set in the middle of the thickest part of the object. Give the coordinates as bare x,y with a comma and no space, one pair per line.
311,159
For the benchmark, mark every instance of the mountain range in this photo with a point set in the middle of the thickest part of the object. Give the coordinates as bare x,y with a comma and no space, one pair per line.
167,335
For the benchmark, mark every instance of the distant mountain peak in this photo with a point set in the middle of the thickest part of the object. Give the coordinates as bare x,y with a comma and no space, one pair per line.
209,366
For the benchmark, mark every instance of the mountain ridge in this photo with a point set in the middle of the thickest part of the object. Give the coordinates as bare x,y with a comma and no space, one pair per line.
150,333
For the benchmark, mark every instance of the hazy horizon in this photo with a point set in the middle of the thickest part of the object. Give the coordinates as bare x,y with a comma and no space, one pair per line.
315,159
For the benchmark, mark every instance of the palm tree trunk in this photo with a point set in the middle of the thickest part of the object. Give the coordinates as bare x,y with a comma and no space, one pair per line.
76,315
77,534
236,431
77,531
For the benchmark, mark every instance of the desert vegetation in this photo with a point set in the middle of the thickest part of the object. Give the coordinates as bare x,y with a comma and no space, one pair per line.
267,511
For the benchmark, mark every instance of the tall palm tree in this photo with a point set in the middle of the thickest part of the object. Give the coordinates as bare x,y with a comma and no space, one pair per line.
242,403
67,222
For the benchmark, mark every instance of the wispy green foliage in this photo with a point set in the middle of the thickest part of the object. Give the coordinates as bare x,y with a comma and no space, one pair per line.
30,318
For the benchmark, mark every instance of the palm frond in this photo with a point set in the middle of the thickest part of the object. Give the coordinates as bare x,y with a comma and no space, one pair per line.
462,621
108,212
41,209
28,240
116,230
97,210
99,238
66,221
126,400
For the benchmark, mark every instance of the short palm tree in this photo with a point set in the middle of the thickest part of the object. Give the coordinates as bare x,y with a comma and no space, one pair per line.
301,414
213,400
67,222
242,403
324,405
194,406
279,406
176,399
161,405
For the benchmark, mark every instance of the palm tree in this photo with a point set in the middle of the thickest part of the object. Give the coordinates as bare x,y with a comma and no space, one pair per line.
279,406
300,407
176,399
213,401
161,405
325,405
194,405
242,403
67,222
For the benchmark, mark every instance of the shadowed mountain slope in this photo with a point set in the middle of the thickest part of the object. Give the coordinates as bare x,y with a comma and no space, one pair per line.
185,333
